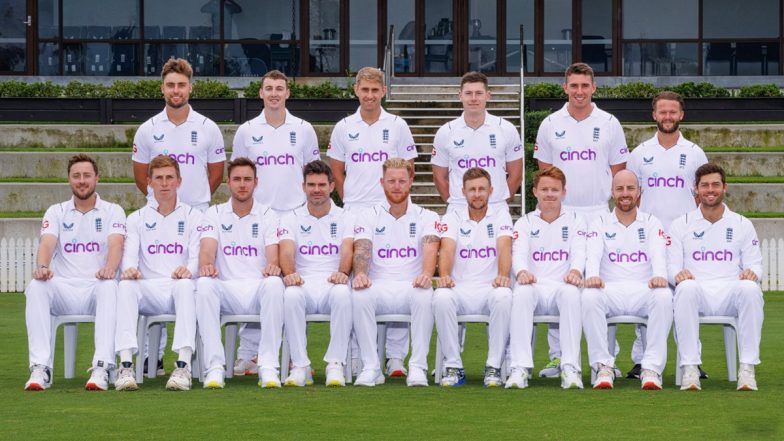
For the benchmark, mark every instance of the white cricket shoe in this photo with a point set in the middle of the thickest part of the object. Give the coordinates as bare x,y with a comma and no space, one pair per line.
369,378
214,379
746,378
396,368
269,378
126,379
417,378
518,379
552,369
99,379
492,377
605,376
570,377
297,377
335,377
180,379
650,380
691,378
246,367
40,378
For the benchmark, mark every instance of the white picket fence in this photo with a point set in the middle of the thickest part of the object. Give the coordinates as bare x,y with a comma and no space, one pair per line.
17,260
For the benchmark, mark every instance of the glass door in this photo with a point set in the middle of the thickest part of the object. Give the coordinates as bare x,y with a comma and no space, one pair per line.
15,30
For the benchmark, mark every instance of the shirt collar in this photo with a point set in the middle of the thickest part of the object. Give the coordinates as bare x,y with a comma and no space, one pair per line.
153,203
70,204
491,212
302,210
699,216
487,121
655,140
192,115
286,120
566,113
409,208
357,116
538,213
638,218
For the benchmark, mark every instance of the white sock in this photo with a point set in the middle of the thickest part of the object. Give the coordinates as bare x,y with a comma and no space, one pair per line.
126,355
185,355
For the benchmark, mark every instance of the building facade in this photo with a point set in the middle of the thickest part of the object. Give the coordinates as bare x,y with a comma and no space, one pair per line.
432,37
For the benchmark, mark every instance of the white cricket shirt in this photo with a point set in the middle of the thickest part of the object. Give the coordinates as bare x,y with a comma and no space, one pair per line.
549,250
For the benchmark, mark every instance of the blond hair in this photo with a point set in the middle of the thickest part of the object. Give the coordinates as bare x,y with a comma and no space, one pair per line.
398,163
372,74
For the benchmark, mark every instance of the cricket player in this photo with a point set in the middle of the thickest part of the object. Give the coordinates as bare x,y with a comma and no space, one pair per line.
358,147
395,251
316,250
589,146
280,144
476,139
475,261
77,261
159,263
548,259
715,262
626,274
239,274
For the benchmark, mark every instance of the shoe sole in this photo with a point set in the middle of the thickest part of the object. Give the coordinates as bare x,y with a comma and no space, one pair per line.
398,373
691,387
213,385
746,388
270,385
336,383
34,387
515,386
177,387
650,385
603,385
492,384
293,384
127,388
93,386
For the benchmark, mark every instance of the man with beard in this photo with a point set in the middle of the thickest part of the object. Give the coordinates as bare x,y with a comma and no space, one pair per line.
548,258
589,146
77,261
238,269
316,249
475,260
191,139
626,274
393,241
665,166
715,262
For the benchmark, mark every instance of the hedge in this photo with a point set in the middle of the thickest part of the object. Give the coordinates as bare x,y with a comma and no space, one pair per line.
647,90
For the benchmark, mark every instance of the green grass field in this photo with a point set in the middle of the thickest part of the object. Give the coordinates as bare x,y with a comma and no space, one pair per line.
392,411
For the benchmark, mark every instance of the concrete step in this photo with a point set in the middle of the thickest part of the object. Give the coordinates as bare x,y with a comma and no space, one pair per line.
451,112
448,105
454,87
433,122
449,96
749,163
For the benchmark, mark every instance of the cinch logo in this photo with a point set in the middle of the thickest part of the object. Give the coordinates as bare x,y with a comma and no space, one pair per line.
282,231
319,250
239,250
396,253
587,234
623,150
411,148
266,159
661,181
362,156
165,248
79,247
702,255
574,155
181,158
636,257
550,256
204,228
478,253
358,230
219,151
484,162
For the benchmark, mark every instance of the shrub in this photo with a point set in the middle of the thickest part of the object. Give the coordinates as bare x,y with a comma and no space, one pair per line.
20,89
135,89
544,90
532,122
699,90
760,91
627,90
76,89
212,89
252,89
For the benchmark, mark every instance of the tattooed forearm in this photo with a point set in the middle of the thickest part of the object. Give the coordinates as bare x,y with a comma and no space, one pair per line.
362,251
430,239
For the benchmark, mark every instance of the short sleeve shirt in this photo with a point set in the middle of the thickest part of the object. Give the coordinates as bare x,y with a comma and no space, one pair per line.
549,249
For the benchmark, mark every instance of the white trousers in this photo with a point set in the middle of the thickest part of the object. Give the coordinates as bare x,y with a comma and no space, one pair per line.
317,296
738,298
448,303
249,296
545,297
627,298
60,296
393,297
153,297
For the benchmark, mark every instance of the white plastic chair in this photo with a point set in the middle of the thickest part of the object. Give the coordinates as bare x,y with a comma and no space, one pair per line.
231,322
70,333
382,320
285,358
150,325
612,323
730,325
462,320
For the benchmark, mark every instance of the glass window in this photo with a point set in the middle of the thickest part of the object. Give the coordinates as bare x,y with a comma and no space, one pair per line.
596,44
261,19
255,59
519,12
325,36
659,59
557,35
98,59
735,19
665,19
48,59
100,19
197,23
401,15
363,34
205,58
13,36
741,58
48,19
439,36
482,36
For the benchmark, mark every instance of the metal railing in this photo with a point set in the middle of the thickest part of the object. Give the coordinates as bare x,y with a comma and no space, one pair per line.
389,60
522,110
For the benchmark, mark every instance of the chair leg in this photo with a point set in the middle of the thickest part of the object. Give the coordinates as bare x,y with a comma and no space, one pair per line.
154,331
52,344
644,337
611,331
141,338
70,334
230,348
197,368
347,374
730,351
678,370
439,364
381,343
285,358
